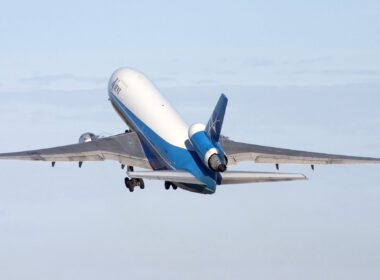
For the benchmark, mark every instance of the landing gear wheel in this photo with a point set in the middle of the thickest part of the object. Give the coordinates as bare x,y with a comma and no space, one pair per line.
174,187
129,184
141,183
167,185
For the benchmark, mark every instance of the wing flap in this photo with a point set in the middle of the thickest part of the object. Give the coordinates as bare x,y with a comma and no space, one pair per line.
125,148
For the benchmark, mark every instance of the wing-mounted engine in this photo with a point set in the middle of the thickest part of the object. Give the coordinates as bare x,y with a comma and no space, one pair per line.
88,137
210,152
84,138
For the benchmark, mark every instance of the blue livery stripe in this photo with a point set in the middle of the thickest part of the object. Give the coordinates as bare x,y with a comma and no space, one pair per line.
174,158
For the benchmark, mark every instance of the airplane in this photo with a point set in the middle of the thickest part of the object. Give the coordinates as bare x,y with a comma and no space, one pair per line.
194,158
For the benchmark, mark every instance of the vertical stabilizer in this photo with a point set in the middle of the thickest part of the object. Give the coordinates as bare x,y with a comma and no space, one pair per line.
214,125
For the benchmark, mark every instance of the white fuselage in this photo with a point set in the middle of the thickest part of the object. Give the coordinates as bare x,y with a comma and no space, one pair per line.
163,132
146,102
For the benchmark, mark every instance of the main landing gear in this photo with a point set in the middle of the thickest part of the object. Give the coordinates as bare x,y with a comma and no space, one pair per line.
170,184
134,182
131,183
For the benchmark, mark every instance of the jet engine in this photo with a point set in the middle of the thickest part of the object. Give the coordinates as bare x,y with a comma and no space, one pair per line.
87,137
211,153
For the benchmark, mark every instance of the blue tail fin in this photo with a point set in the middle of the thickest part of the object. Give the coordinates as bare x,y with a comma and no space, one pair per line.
214,125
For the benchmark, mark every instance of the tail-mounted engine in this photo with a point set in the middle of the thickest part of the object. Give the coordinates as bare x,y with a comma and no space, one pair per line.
211,153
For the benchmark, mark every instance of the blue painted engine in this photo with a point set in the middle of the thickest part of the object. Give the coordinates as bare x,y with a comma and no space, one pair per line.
210,152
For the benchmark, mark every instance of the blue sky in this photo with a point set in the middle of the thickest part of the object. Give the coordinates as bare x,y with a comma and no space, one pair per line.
298,74
84,25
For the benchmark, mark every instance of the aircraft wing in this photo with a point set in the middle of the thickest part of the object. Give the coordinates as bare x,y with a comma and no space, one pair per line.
228,177
237,152
125,148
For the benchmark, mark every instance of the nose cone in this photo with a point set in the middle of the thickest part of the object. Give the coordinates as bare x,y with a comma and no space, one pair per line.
128,79
119,75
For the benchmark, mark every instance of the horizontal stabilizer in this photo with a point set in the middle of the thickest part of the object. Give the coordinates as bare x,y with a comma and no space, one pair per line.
166,175
242,177
228,177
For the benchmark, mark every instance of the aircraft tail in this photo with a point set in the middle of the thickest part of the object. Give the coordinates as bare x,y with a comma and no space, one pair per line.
214,125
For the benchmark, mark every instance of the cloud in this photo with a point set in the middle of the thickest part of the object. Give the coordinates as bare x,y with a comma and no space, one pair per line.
323,58
164,79
362,72
311,60
48,79
259,62
207,82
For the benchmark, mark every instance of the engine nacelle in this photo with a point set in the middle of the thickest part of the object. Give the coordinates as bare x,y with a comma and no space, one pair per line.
211,154
87,137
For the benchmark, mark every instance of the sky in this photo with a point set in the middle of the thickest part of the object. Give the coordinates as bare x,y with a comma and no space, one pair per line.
302,75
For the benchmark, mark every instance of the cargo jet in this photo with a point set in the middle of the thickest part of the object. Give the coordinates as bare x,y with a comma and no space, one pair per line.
194,158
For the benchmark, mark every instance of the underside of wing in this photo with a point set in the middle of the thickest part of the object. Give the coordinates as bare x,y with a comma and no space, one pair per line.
125,148
237,152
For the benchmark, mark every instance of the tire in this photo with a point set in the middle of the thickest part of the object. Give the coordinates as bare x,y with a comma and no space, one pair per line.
129,184
141,184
